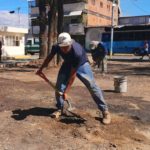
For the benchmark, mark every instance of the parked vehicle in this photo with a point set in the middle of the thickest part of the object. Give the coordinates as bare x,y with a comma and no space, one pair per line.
139,52
32,46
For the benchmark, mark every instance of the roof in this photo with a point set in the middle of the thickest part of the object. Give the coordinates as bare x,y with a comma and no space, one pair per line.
13,29
122,17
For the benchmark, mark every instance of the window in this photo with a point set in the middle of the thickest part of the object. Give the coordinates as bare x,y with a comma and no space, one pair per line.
139,36
36,40
17,41
99,20
123,36
2,39
29,42
75,20
142,20
101,4
119,36
13,40
108,7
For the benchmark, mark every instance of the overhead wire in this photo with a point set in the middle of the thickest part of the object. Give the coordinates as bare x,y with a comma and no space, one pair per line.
137,6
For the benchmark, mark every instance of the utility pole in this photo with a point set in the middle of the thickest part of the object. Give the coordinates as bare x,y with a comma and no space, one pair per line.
112,28
18,10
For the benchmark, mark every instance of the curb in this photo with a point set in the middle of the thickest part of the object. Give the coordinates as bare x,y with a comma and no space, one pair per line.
14,64
20,64
22,57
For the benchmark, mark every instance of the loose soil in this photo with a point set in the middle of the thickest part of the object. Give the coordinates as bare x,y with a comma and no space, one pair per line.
27,102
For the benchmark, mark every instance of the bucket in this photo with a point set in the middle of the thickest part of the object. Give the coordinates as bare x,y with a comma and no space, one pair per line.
120,84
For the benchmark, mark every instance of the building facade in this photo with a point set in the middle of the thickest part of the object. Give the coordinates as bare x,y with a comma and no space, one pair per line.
88,13
13,41
79,15
13,27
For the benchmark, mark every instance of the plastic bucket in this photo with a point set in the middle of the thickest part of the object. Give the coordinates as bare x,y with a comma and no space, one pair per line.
120,84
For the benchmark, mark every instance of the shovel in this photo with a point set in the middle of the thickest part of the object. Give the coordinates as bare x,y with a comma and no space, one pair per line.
69,108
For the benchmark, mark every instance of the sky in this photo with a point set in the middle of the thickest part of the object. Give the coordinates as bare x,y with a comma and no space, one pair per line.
13,5
15,19
135,7
19,20
128,7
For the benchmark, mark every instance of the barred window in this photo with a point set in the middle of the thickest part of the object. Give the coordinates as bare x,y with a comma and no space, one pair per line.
13,41
108,7
101,4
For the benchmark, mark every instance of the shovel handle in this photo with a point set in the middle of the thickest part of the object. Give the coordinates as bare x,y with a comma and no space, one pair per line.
50,83
53,86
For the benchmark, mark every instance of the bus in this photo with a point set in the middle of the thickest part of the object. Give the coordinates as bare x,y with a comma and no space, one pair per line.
32,46
127,39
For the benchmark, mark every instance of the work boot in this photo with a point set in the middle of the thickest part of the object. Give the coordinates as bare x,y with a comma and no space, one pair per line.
56,114
106,117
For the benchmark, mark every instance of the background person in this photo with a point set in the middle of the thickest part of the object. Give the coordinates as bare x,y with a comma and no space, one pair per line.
99,55
146,48
75,64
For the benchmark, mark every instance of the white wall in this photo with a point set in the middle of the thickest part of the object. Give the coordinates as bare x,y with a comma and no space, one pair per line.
10,51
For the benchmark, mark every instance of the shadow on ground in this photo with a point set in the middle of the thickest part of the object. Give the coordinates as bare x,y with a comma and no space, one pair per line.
19,114
70,118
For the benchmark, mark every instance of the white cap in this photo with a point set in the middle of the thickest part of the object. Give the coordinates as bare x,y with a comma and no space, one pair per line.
93,44
64,39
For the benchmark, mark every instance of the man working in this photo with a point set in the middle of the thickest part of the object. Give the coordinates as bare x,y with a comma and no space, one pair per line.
99,57
75,64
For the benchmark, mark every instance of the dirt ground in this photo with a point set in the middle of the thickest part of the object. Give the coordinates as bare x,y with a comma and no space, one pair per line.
26,102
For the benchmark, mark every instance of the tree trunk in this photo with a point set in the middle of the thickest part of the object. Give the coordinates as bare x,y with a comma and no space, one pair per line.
60,23
60,16
52,26
55,26
43,31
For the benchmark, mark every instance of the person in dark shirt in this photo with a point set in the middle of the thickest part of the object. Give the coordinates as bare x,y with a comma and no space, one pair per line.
99,55
75,64
146,50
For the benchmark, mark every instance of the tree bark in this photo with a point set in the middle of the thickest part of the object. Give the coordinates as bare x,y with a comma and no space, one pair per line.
55,26
60,23
60,16
43,31
52,26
